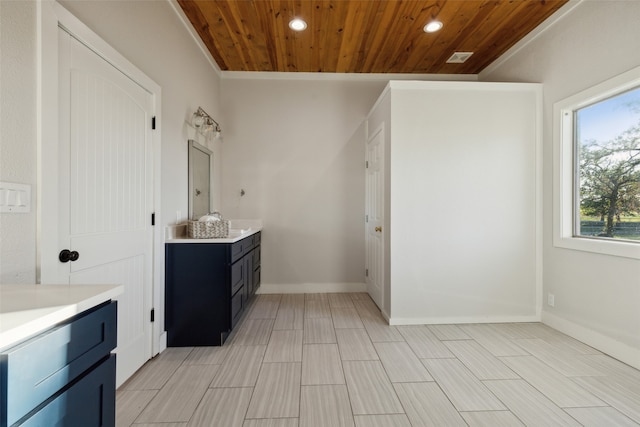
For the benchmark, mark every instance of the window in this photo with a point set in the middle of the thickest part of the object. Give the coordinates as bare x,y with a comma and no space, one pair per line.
597,170
606,138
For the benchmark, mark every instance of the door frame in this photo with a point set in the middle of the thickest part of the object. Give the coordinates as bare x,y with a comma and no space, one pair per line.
50,16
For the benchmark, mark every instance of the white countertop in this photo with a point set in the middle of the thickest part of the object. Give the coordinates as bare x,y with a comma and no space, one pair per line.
27,310
238,230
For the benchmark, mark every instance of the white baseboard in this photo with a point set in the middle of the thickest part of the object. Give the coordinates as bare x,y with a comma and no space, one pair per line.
310,288
398,321
616,349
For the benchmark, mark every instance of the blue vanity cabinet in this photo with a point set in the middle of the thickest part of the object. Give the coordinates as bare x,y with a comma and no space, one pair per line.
64,376
207,288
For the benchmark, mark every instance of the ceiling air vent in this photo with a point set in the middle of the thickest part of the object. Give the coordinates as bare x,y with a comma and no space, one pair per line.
459,57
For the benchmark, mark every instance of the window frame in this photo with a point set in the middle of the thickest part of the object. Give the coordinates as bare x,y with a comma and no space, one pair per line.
565,176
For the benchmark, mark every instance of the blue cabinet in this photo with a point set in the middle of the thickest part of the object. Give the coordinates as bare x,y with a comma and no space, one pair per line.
207,288
64,376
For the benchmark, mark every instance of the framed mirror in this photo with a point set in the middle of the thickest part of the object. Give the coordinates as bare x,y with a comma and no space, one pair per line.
200,180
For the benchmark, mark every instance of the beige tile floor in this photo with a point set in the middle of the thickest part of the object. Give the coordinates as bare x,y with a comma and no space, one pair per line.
331,360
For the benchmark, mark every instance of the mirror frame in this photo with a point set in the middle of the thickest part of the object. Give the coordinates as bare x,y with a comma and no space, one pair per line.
198,149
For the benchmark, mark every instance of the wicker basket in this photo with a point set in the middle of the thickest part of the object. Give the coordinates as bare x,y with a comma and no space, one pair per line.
208,229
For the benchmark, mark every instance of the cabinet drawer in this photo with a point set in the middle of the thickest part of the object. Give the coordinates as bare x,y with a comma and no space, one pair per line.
88,403
244,246
237,250
44,364
237,276
250,243
257,238
237,306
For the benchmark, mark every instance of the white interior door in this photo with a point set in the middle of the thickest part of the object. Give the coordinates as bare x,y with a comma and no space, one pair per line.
106,190
374,207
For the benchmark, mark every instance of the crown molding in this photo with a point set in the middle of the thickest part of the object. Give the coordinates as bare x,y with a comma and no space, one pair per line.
196,37
529,38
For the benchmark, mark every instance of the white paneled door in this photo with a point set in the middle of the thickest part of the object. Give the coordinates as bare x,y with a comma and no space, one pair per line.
106,190
374,211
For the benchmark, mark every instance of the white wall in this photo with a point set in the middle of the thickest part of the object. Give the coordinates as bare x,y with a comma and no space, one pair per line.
295,147
463,219
596,296
18,136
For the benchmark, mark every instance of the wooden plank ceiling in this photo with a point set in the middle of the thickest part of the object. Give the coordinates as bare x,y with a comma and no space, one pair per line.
362,36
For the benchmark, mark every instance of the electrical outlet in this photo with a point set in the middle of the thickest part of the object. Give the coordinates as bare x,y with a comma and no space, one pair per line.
551,300
178,217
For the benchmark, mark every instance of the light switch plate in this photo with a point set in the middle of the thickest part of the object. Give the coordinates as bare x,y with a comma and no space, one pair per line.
15,198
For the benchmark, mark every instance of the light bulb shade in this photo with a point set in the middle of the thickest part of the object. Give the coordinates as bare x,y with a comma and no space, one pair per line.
197,120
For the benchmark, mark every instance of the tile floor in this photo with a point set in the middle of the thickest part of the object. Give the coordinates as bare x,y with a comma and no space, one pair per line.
331,360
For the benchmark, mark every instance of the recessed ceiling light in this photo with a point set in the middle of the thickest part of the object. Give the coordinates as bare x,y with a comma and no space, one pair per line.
433,26
297,24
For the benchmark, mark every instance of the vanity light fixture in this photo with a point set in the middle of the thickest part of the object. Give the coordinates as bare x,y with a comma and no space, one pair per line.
297,24
205,124
433,26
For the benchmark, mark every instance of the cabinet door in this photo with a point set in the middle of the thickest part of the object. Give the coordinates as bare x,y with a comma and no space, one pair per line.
238,276
256,257
198,294
248,263
237,308
256,279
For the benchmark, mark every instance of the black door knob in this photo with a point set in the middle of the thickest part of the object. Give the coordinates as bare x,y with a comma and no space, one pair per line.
66,255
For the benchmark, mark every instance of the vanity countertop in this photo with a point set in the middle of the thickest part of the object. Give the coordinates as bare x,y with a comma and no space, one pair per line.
238,230
26,310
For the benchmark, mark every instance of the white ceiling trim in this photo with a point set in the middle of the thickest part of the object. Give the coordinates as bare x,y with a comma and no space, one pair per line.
276,75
